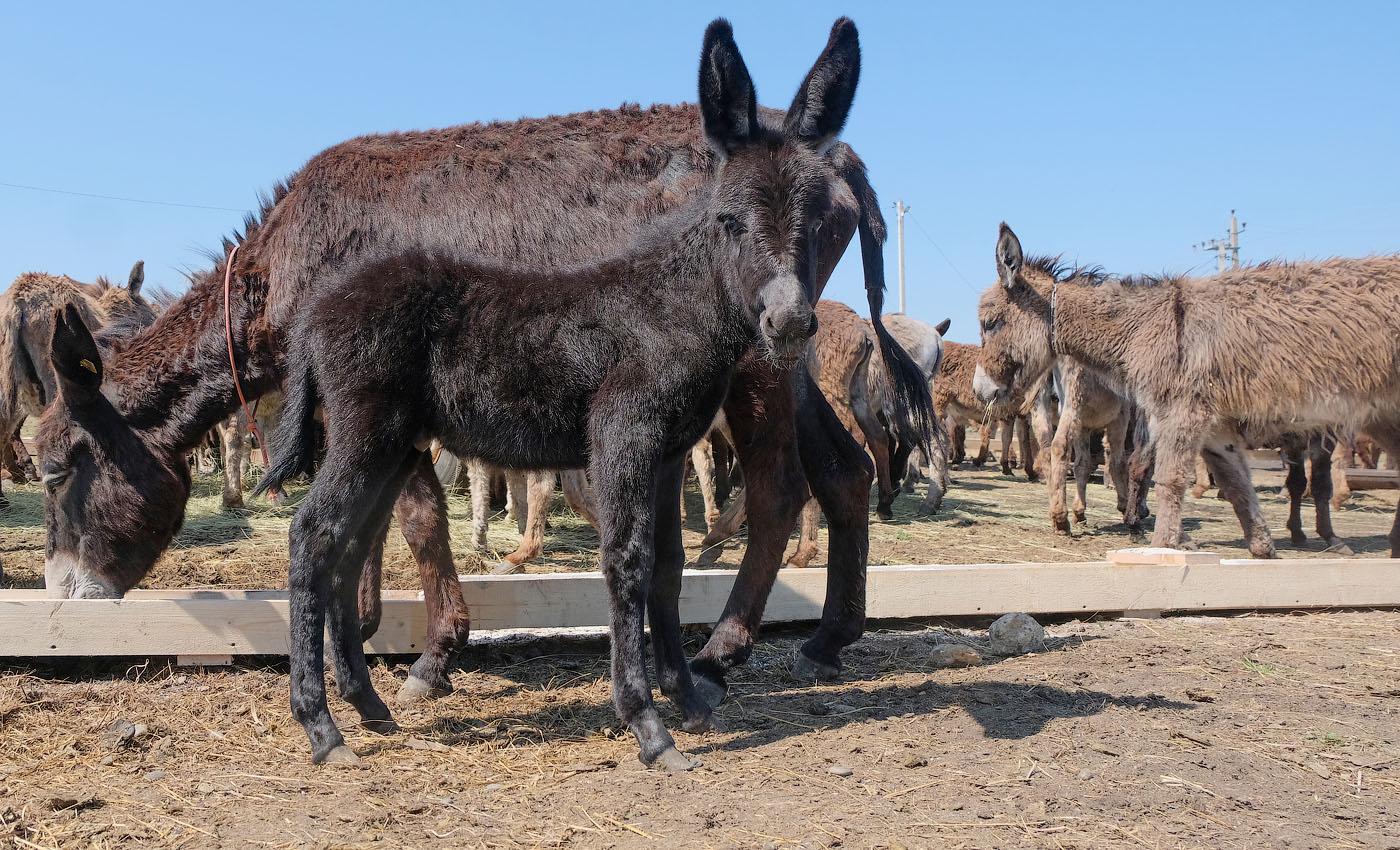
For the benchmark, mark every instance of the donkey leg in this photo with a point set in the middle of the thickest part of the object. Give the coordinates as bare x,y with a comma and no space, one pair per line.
1064,435
1341,461
1387,437
1028,448
839,474
663,606
1296,481
1008,437
957,442
938,460
702,457
334,511
1176,448
574,483
760,412
539,489
875,439
517,498
479,478
234,434
1083,463
371,585
807,535
726,527
1231,471
1320,447
1116,437
421,511
625,484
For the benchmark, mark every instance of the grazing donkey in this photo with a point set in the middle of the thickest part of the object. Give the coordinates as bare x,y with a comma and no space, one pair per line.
545,192
1203,355
621,367
27,382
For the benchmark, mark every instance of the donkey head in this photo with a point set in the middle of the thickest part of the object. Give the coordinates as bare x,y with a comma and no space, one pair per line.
127,311
774,186
112,504
1017,320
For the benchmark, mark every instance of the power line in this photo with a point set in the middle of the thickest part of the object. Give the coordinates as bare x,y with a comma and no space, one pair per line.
119,198
944,254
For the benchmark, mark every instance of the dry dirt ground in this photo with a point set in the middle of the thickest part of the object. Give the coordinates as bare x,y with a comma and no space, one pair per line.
1215,732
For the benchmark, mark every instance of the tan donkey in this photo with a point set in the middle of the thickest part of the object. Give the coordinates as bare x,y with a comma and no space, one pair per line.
1201,355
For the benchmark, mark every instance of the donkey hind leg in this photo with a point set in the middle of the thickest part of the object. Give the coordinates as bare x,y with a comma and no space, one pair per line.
1083,466
1202,483
839,474
702,457
1065,435
1387,437
1231,470
663,606
421,511
337,516
760,412
479,478
1176,446
233,434
938,460
807,535
1029,448
877,441
1321,445
1008,438
574,483
626,487
539,489
1115,441
726,527
517,498
1342,459
1295,460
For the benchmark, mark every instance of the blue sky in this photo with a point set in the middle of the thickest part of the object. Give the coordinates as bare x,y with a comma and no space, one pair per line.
1117,134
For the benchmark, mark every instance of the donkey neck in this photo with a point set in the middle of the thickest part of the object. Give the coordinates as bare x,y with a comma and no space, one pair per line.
1103,326
174,382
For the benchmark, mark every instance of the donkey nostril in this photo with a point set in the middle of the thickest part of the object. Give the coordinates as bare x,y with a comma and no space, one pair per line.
767,325
812,326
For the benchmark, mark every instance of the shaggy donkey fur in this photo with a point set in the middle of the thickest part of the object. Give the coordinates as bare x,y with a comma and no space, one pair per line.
1210,360
618,366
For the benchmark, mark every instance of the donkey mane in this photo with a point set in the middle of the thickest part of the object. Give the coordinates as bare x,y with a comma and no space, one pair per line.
1061,270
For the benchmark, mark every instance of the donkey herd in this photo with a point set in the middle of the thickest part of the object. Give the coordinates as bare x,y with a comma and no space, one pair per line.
616,296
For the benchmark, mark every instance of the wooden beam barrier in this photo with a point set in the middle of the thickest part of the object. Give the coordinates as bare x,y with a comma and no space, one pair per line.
1360,478
219,623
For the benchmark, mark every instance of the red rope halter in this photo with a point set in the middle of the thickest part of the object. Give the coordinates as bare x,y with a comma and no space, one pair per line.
233,361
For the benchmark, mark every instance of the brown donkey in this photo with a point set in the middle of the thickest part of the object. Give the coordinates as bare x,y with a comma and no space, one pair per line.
1203,354
27,381
554,191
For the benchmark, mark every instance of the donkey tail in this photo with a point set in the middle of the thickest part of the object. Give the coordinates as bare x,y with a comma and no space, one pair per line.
909,398
293,445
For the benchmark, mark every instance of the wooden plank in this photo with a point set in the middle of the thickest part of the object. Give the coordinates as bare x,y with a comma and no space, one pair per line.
1268,460
1373,479
203,660
231,623
1159,555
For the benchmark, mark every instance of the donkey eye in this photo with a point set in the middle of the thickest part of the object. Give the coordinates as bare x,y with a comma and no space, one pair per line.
731,224
989,325
54,477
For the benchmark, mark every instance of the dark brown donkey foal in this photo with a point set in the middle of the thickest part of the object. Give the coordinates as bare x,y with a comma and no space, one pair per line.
620,368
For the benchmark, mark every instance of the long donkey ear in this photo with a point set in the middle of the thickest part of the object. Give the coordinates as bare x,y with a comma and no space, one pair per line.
728,103
943,326
1009,257
74,355
823,101
137,277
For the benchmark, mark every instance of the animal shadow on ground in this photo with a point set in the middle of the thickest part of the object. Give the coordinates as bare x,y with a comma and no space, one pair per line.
26,508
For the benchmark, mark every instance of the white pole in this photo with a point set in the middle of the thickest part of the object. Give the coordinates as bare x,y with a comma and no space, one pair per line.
899,210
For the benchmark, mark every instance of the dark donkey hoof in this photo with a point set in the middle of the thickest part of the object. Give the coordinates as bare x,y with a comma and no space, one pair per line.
710,685
672,760
415,690
808,669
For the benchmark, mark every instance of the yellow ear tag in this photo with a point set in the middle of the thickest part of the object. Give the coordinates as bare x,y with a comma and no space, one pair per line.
87,364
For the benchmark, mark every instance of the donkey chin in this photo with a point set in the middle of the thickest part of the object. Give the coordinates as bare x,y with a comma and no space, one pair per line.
65,578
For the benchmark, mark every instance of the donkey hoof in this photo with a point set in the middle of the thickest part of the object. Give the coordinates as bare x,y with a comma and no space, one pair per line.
672,761
712,692
885,512
1061,524
415,690
1298,538
506,568
1080,517
810,670
387,726
699,725
1340,548
341,755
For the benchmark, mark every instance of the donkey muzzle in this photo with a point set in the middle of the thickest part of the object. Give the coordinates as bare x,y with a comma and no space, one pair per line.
986,389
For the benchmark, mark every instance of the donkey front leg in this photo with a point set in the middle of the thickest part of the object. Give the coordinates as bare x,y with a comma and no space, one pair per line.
1083,468
1320,449
1064,435
807,535
1295,481
1231,471
625,484
538,490
760,413
479,479
1175,449
702,457
422,514
663,605
233,434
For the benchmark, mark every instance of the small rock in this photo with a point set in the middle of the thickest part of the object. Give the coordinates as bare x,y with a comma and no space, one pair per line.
1016,634
119,734
1086,774
842,708
839,770
493,788
954,655
1320,769
138,730
1198,695
818,709
427,746
915,761
108,760
154,776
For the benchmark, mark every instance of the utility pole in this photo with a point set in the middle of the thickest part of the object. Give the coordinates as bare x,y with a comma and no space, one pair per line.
1229,247
899,210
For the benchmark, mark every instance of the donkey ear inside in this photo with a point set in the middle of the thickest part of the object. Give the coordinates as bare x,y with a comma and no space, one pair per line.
943,326
728,103
137,277
819,110
74,354
1009,257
